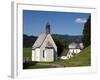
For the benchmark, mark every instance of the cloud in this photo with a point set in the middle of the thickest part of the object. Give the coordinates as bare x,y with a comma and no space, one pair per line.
80,20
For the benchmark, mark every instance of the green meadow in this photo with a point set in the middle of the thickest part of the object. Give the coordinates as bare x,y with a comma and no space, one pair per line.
79,60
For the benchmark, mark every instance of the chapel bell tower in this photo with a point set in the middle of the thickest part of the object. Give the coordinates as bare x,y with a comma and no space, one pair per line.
48,28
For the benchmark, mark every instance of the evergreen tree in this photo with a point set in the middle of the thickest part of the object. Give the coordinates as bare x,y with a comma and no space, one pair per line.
61,45
87,33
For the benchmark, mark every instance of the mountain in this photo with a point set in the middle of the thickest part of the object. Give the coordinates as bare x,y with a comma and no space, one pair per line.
69,38
28,41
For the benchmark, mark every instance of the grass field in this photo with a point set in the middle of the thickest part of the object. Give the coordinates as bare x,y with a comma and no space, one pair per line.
81,59
27,52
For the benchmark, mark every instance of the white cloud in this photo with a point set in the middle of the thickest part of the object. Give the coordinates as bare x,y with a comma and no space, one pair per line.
80,20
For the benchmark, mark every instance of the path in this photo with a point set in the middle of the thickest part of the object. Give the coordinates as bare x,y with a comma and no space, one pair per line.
51,64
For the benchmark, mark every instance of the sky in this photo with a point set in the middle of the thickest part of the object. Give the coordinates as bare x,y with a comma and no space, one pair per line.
65,23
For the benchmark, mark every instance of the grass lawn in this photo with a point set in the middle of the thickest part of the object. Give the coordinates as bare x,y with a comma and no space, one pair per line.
81,59
27,52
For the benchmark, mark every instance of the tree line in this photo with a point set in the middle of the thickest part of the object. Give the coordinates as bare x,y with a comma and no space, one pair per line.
87,33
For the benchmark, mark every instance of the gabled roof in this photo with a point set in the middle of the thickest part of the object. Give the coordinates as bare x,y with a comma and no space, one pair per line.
72,45
39,40
42,39
76,45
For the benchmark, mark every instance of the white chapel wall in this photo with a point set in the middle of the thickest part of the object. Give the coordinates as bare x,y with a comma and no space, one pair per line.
37,52
33,55
49,55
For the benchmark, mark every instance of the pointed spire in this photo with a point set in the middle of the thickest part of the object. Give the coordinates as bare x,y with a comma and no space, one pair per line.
48,28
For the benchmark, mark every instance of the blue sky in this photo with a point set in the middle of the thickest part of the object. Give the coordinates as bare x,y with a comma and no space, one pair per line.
34,22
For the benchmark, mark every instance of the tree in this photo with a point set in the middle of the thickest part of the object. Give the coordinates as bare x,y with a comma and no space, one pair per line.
28,41
87,33
61,45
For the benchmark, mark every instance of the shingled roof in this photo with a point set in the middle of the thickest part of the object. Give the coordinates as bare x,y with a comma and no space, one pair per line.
76,45
38,43
39,40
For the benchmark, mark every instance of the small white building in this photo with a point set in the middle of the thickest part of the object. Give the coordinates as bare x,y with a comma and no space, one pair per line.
75,47
44,49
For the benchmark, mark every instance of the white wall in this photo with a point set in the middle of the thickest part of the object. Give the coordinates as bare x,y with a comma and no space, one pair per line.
37,54
33,55
77,51
49,54
74,51
5,42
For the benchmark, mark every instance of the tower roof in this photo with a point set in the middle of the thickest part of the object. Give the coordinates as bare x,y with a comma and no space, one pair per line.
47,28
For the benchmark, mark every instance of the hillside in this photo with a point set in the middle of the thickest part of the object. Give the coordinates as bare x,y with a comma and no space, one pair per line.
28,41
81,59
69,38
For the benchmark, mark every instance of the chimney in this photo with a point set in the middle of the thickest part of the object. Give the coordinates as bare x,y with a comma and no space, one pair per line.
48,28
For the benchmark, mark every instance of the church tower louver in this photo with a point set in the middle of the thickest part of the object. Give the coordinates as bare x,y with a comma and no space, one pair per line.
47,28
